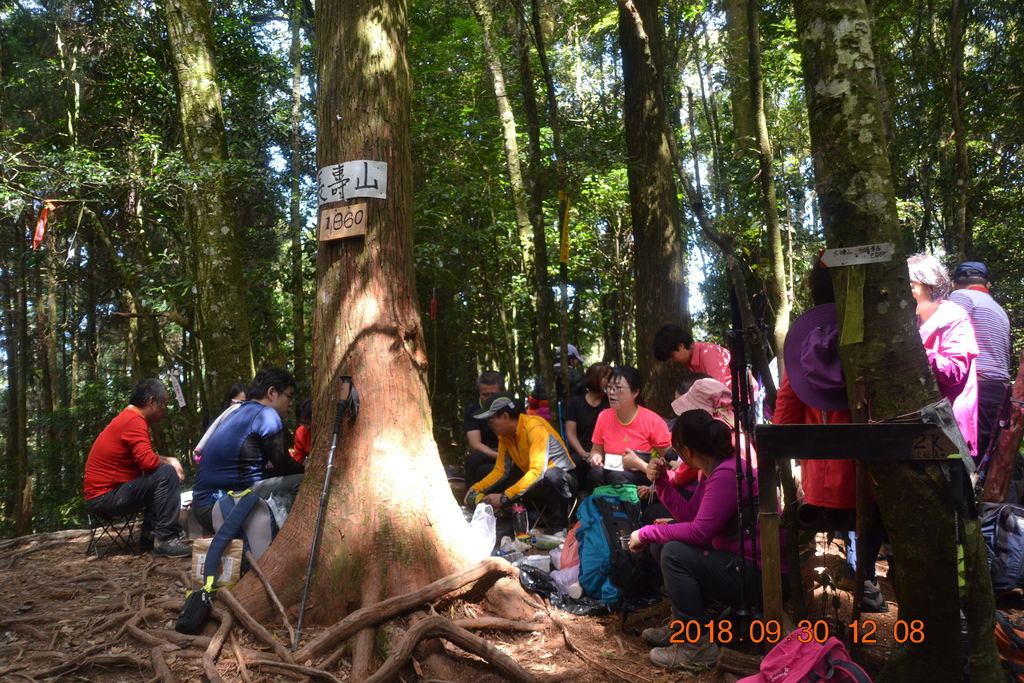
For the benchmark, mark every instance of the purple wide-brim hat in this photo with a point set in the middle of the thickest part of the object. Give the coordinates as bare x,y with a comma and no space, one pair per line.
811,354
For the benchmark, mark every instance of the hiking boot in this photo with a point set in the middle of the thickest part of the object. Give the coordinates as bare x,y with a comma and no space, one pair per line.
691,657
658,636
873,600
172,547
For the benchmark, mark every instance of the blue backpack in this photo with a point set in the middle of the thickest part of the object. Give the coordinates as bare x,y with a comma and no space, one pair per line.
609,572
1002,526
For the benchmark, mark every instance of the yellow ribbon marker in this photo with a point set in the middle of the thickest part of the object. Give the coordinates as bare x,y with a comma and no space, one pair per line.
852,330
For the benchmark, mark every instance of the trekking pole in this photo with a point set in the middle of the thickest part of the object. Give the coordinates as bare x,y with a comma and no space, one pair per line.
737,366
348,398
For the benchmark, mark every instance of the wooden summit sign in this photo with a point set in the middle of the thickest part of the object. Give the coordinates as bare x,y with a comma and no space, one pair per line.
338,222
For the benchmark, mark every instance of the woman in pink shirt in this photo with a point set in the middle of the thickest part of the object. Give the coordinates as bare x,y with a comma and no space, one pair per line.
949,342
625,428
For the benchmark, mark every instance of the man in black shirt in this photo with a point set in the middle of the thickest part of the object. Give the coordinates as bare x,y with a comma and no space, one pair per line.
483,442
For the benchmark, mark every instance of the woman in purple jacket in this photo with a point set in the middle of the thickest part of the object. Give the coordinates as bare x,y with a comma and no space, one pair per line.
700,560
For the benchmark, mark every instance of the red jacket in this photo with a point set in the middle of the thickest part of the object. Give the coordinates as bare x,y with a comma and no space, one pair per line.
121,453
826,483
300,449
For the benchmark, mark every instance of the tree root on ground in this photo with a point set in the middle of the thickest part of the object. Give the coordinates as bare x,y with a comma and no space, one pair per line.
614,671
488,571
435,626
140,616
272,595
255,627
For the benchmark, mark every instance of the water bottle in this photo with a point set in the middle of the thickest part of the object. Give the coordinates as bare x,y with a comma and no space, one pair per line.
520,522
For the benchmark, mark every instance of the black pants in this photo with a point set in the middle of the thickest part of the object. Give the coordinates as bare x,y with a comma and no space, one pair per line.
599,476
478,465
695,577
553,490
992,399
156,493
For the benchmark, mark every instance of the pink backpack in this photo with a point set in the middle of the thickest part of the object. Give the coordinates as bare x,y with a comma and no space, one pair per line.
794,662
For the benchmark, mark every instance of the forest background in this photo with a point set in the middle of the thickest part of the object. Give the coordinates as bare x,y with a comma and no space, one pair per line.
92,120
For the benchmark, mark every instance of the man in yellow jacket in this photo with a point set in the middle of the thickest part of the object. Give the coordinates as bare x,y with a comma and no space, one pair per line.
533,462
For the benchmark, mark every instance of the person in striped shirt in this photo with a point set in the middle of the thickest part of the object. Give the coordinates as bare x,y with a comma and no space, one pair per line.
992,331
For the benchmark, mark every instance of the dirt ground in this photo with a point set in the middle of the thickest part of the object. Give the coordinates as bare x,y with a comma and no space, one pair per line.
65,615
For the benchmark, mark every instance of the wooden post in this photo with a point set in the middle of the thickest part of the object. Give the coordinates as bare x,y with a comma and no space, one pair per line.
771,560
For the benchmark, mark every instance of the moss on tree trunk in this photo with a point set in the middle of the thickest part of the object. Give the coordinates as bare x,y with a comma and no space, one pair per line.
220,283
858,207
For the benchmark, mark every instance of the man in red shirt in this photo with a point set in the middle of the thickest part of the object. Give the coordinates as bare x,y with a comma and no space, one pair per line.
123,474
671,342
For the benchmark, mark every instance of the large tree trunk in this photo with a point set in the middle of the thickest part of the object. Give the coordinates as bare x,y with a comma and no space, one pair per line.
529,217
654,204
879,342
223,318
391,524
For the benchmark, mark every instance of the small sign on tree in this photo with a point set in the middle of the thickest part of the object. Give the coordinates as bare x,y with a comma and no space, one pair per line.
342,221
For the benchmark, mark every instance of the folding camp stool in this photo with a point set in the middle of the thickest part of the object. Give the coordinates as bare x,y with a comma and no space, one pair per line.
109,535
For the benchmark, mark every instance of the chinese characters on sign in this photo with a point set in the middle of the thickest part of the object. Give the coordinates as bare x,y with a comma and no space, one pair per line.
352,179
342,221
852,256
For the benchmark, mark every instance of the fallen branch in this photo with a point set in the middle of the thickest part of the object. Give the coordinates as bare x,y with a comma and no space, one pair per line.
160,668
296,669
490,569
254,626
432,627
273,596
65,535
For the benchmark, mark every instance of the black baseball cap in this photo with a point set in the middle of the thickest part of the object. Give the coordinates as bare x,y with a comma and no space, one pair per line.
971,269
497,402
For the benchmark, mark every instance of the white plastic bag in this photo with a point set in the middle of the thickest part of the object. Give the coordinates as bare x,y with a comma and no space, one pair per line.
481,530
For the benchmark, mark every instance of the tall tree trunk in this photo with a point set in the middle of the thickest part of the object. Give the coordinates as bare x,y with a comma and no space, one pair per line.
391,523
530,223
654,206
224,326
879,342
563,192
778,292
295,206
20,481
957,31
724,242
737,32
46,343
535,207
